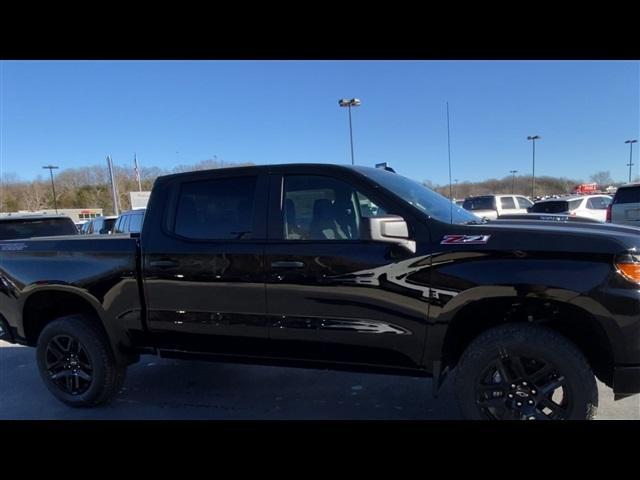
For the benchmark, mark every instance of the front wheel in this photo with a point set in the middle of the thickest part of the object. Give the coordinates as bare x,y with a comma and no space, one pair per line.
525,372
77,364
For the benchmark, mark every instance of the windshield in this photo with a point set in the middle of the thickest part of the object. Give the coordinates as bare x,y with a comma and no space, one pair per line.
421,197
26,228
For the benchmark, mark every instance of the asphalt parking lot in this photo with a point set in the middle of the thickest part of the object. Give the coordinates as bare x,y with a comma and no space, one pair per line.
161,389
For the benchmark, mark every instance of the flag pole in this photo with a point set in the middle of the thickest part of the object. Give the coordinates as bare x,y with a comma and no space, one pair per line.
137,170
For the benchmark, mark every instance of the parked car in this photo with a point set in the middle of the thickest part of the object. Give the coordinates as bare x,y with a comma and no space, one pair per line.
35,225
625,207
279,265
99,226
549,217
589,206
493,206
129,222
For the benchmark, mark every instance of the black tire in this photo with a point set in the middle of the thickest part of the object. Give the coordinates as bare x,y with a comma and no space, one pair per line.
77,364
491,377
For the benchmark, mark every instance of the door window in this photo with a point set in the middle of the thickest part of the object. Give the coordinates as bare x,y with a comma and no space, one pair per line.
524,202
135,224
507,203
216,209
324,208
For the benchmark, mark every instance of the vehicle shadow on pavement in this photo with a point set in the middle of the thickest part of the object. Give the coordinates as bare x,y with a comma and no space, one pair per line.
164,389
176,389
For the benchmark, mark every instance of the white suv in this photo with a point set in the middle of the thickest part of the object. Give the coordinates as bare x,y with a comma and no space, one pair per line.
494,206
589,206
625,208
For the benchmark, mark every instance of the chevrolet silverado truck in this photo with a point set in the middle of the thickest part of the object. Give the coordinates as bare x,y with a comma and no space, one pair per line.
335,267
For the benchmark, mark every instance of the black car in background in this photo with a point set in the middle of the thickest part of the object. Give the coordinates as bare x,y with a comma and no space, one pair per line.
99,226
35,225
129,222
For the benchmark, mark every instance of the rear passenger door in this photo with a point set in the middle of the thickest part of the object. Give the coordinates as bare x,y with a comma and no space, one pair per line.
330,294
508,206
204,265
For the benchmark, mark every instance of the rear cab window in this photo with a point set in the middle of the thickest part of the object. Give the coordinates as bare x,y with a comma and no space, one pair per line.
556,206
40,227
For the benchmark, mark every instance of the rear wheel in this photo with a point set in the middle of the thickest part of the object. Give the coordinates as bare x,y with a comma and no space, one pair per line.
525,372
77,364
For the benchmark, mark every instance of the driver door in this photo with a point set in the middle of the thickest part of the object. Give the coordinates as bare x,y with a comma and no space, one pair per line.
333,294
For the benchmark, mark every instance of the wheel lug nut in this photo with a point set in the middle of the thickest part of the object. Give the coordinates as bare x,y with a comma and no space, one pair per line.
519,404
531,418
533,391
510,395
524,384
530,402
513,385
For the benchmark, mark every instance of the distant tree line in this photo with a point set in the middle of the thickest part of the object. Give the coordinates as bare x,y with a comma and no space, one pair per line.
86,187
521,185
89,187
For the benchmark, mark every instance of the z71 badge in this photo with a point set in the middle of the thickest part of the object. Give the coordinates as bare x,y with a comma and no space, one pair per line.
465,239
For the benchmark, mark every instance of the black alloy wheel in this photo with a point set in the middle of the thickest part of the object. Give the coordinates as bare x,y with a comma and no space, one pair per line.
68,364
77,362
515,387
524,371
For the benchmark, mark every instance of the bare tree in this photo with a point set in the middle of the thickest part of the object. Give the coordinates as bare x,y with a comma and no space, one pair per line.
603,179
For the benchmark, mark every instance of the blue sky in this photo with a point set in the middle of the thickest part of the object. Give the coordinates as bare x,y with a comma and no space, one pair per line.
75,113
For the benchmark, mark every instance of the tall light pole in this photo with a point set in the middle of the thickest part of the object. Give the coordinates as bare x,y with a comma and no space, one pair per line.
513,179
354,102
630,164
53,187
533,174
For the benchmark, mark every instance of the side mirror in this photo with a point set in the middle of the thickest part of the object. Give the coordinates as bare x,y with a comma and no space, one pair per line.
388,228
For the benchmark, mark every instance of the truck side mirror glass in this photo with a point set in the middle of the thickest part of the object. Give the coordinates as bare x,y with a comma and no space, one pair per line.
388,228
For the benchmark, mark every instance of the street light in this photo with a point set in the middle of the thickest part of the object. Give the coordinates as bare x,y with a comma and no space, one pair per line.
513,179
630,164
354,102
53,187
533,174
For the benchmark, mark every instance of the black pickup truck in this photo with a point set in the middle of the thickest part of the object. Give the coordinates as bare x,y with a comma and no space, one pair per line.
335,267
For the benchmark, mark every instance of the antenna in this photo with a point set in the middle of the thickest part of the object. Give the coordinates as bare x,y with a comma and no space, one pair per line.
449,149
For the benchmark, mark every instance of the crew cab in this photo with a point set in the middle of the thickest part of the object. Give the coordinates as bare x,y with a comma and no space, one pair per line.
343,267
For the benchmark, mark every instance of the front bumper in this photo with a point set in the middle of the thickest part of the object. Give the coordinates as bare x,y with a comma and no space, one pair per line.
626,380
